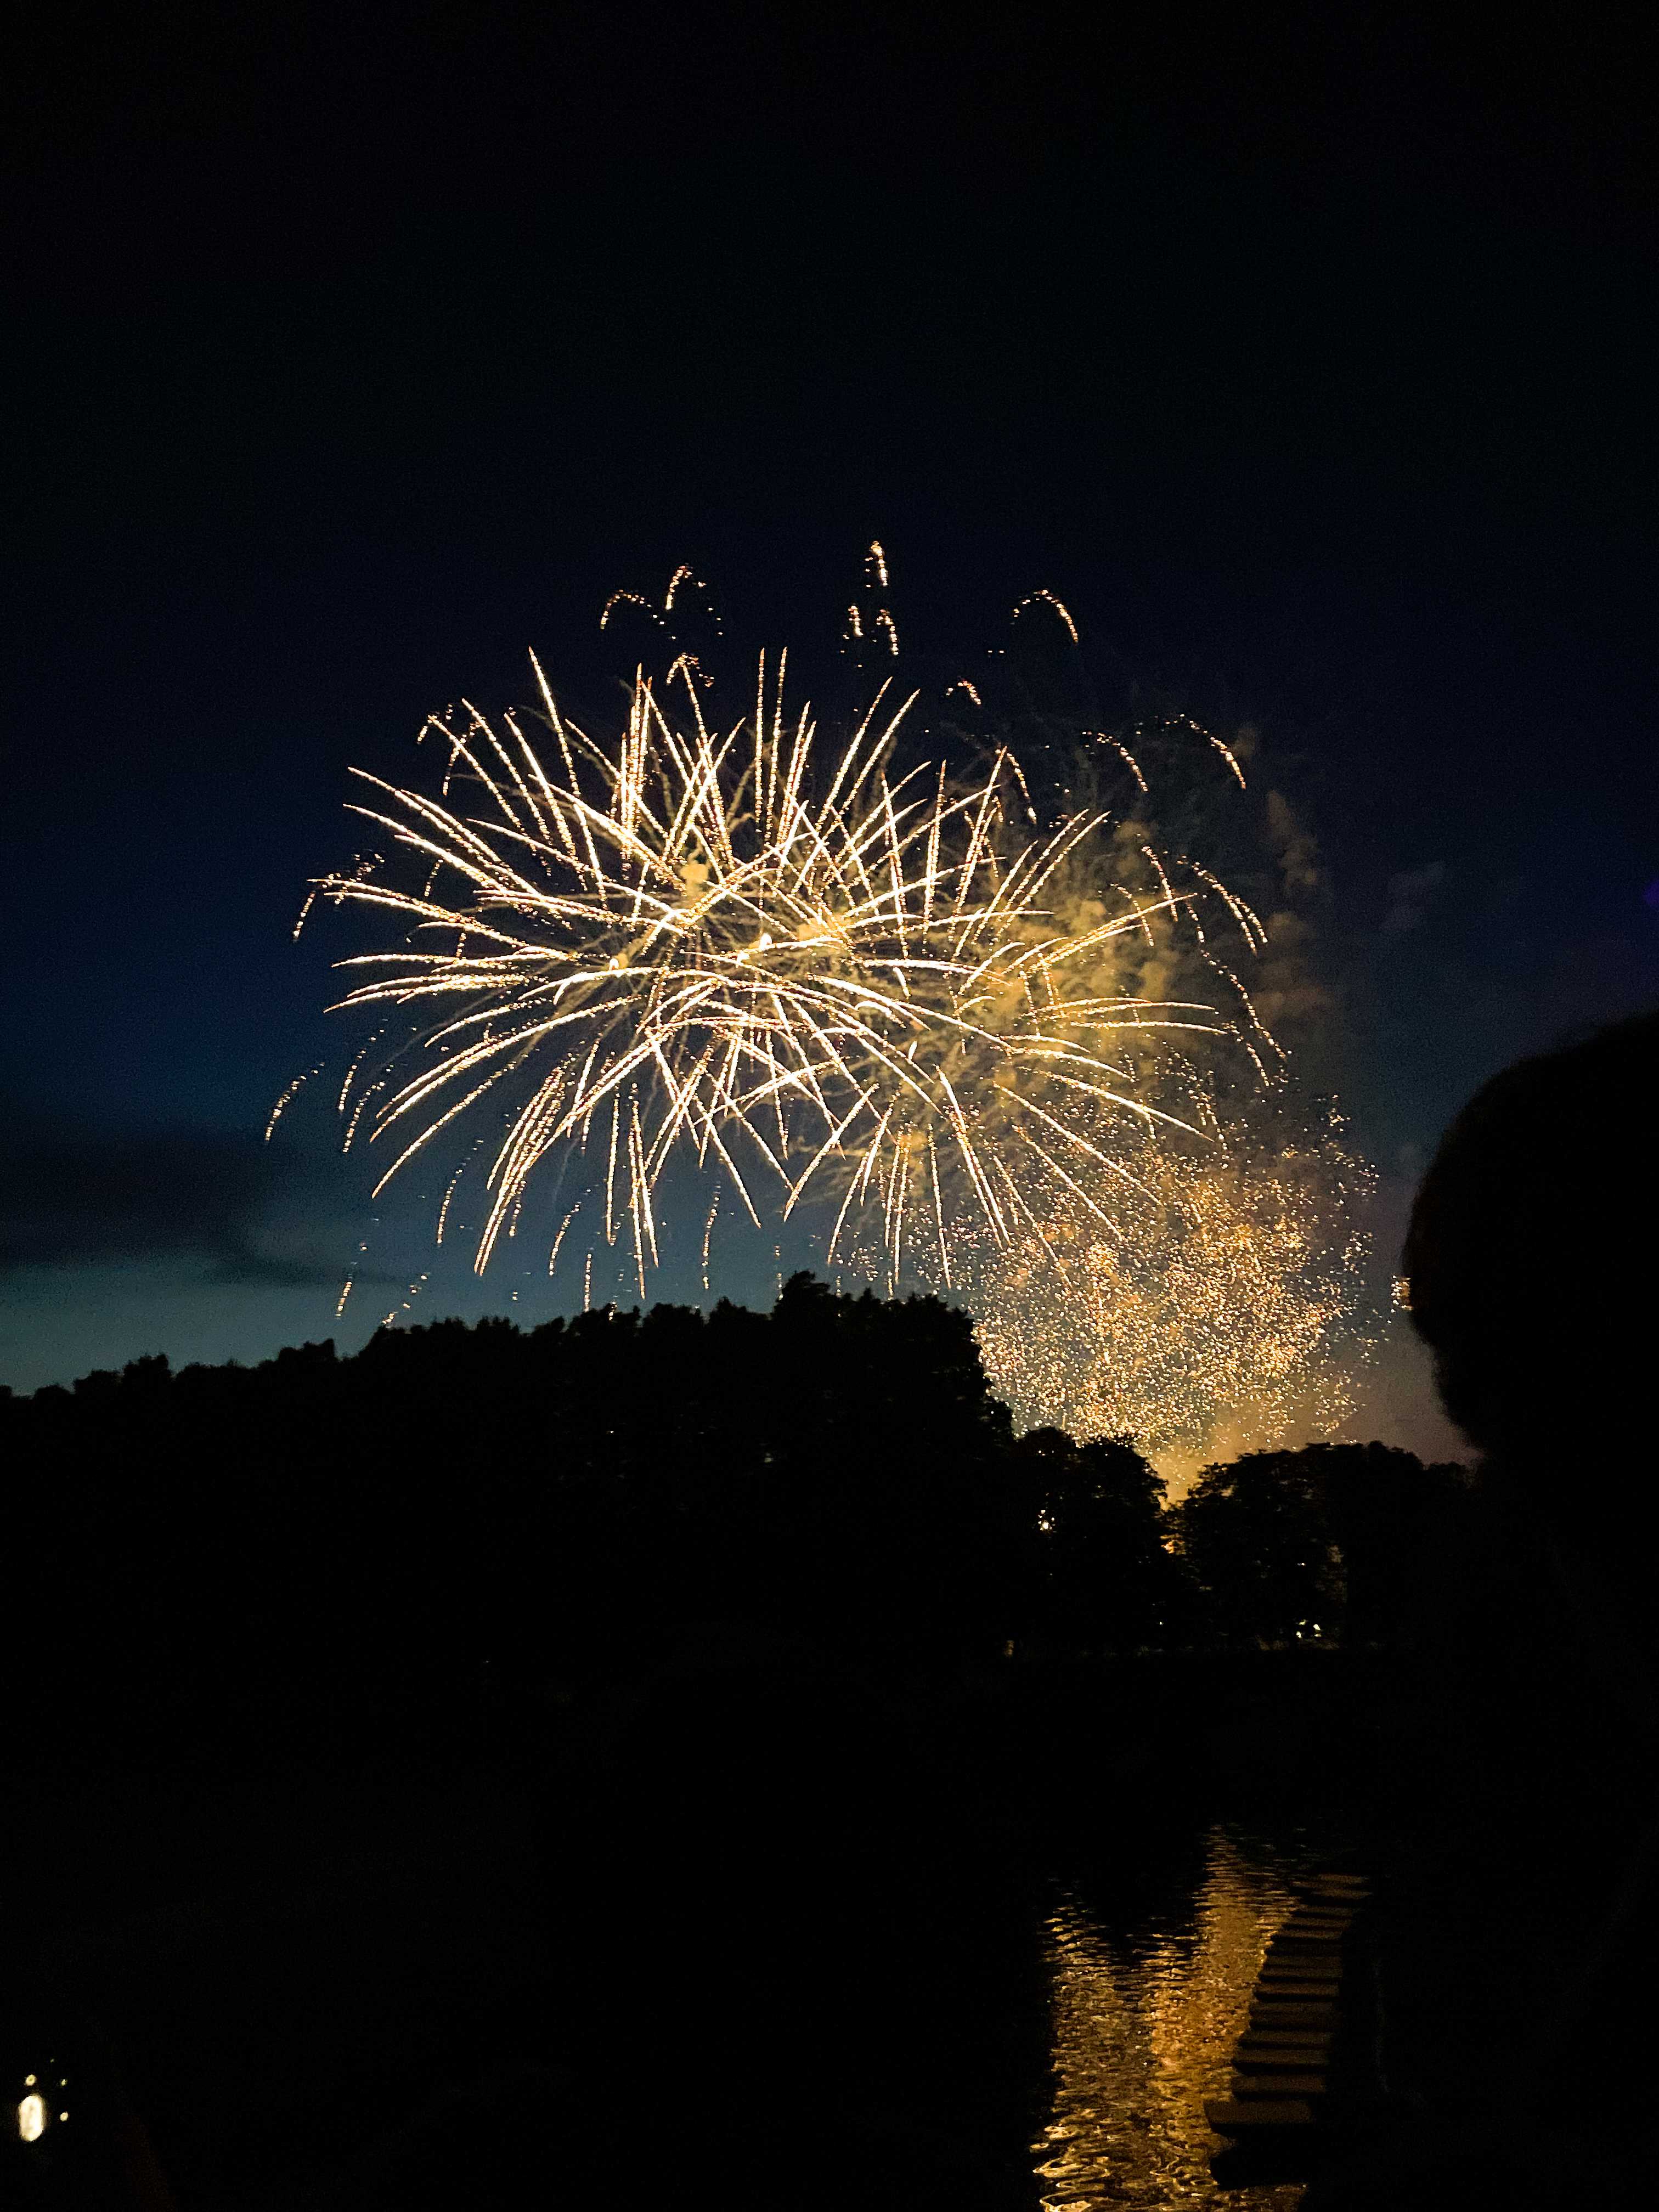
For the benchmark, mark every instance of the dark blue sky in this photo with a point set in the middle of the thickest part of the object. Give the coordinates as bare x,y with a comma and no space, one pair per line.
1309,359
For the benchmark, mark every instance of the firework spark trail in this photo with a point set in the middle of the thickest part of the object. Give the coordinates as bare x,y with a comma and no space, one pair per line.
799,972
287,1098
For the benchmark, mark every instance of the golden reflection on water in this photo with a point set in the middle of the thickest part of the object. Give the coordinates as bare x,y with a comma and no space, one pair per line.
1144,2032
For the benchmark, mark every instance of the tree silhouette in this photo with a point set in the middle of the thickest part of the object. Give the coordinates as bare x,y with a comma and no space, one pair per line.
1103,1580
320,1545
1324,1542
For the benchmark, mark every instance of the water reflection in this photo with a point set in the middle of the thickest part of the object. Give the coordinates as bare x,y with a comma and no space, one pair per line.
1145,2021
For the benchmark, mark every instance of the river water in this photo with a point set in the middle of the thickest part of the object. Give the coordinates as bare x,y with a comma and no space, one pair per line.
409,1913
1147,2009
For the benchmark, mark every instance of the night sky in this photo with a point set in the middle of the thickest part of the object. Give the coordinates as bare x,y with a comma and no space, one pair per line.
1306,356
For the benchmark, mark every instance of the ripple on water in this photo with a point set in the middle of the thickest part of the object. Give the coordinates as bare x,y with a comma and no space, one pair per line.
1144,2030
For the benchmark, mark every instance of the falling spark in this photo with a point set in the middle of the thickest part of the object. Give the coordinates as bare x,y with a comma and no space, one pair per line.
553,1256
708,1231
283,1104
1105,737
1043,596
1231,757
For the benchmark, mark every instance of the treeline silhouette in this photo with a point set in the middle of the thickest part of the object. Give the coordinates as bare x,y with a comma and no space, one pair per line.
324,1546
803,1666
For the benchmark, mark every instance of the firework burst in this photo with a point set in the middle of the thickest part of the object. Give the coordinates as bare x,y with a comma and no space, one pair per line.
813,972
1230,1306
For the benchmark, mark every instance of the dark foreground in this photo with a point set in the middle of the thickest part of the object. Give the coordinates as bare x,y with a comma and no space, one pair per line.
754,1923
751,1919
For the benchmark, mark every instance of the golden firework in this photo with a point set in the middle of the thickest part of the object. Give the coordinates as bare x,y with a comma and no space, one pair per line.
801,966
1228,1310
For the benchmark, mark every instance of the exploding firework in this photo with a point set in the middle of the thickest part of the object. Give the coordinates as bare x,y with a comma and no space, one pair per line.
817,973
1230,1306
1227,1304
982,1014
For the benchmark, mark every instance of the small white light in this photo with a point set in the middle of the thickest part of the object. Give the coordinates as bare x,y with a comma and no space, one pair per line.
32,2118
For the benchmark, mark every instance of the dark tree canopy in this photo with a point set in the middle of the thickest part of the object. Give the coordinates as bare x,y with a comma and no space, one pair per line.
1105,1579
320,1543
563,1501
1327,1541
